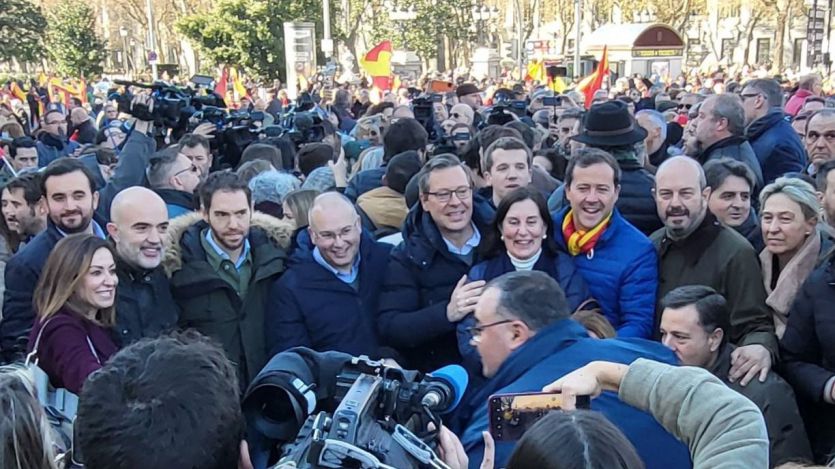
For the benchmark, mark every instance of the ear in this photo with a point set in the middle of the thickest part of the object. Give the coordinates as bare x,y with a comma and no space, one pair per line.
95,200
520,334
113,231
820,196
706,192
714,341
488,178
424,201
41,207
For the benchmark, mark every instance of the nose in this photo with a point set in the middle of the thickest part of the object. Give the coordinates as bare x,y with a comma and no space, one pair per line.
667,340
772,226
111,279
154,236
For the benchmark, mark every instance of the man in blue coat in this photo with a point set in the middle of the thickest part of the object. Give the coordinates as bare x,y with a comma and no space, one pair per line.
775,143
526,339
53,142
618,262
327,300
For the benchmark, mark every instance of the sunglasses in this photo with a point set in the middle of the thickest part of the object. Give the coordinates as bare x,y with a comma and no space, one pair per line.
685,106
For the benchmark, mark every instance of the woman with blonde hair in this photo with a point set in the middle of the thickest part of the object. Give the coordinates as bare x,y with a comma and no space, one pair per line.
26,439
75,306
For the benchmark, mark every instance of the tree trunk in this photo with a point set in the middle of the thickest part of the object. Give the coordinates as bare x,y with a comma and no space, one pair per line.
780,37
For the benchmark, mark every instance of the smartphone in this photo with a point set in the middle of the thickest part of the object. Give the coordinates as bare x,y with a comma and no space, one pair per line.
511,415
552,101
440,86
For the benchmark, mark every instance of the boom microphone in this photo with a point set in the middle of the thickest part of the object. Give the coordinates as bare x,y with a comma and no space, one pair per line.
446,388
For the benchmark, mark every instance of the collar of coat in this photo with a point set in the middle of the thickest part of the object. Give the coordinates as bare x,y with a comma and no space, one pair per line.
279,231
694,246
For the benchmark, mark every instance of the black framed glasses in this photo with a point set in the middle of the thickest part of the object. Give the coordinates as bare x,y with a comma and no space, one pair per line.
192,168
475,331
445,196
749,95
685,106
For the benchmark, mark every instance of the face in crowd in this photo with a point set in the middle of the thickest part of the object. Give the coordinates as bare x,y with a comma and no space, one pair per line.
201,157
97,290
25,158
139,224
336,230
731,201
682,333
509,170
70,201
20,217
229,216
449,199
784,225
592,194
680,196
820,138
523,229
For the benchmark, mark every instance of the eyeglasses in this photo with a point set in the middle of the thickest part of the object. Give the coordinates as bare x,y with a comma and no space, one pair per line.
193,169
330,236
446,195
475,331
749,95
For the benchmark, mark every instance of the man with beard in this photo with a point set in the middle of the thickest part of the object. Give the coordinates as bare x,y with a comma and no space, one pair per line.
24,209
222,267
144,305
71,200
695,249
53,143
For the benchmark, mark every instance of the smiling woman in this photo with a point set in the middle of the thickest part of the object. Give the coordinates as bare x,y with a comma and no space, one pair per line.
74,301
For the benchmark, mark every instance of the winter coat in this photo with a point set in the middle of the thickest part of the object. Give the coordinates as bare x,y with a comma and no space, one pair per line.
384,207
144,304
735,148
718,257
796,102
808,356
622,275
211,305
776,145
129,172
553,352
419,280
310,307
364,181
177,202
50,148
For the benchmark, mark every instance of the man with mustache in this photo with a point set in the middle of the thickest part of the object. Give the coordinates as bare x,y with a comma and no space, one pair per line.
694,248
144,305
616,260
221,263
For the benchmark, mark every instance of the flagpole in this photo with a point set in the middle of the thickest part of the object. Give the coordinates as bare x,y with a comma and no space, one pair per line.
578,18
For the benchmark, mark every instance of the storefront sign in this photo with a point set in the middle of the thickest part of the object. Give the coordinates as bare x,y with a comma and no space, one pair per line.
647,53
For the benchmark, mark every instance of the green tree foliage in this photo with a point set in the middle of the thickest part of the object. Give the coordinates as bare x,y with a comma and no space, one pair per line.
22,25
249,33
71,39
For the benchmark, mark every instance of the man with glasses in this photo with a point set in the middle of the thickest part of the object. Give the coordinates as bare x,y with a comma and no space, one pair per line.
462,114
775,143
328,298
820,139
53,142
526,338
425,291
174,177
685,103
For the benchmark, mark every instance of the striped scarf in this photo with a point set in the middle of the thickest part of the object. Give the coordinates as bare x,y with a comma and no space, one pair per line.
579,241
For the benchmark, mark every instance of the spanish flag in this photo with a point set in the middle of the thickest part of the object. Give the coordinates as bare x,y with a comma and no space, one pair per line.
536,71
238,83
377,63
594,82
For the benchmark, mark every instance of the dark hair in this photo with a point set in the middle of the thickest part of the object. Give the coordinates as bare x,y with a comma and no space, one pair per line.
252,168
288,153
193,140
378,108
491,133
823,171
403,135
171,401
63,166
580,438
769,88
160,165
30,183
527,133
314,155
505,143
224,181
717,171
711,306
587,156
493,246
401,169
532,297
20,142
437,163
262,151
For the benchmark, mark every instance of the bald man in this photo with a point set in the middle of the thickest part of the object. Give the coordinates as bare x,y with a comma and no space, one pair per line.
695,249
328,299
144,305
83,128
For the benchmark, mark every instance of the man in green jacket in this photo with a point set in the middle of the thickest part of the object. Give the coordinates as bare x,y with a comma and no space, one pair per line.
222,266
695,249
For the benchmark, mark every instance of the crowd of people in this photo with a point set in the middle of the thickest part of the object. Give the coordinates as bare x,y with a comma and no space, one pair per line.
667,248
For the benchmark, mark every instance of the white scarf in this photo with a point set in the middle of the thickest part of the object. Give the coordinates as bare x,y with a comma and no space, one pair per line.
527,264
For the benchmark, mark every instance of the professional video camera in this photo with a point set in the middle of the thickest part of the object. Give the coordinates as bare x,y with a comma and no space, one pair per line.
173,106
423,108
331,410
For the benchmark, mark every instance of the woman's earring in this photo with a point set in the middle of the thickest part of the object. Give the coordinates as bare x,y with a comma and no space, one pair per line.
502,237
545,236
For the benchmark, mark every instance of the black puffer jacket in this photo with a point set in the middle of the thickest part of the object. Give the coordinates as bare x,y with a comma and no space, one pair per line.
144,304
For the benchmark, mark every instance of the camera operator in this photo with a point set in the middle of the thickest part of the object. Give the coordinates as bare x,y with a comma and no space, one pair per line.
169,402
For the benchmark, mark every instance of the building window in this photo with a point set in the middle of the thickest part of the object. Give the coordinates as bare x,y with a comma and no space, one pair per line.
727,50
797,51
763,51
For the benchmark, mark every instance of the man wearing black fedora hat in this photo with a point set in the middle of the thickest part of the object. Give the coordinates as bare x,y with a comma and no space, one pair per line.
610,127
469,94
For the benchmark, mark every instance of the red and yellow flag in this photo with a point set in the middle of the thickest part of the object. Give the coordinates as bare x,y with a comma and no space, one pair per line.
17,92
377,63
594,82
536,71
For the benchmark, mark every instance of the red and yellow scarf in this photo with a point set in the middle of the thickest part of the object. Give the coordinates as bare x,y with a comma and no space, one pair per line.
579,241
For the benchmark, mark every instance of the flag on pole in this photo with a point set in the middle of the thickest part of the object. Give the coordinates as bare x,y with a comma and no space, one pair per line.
220,87
17,92
377,63
238,83
594,82
536,71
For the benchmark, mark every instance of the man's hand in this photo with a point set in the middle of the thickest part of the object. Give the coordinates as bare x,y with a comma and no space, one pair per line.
749,361
340,170
144,100
452,451
463,299
590,380
206,129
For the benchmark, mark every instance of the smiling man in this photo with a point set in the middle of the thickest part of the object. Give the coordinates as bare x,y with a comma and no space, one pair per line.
144,307
616,260
328,298
731,186
506,166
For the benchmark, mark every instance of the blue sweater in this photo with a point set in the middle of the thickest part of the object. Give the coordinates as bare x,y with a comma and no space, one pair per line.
622,275
552,353
310,307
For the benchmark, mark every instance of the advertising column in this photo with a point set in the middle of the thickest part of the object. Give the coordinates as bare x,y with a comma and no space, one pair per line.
299,54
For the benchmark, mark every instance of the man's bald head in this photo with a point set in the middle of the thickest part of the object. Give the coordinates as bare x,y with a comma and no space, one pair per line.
330,202
79,115
681,195
139,221
682,165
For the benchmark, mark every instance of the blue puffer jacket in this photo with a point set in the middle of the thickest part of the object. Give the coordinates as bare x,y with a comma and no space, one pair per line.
418,283
310,307
622,275
560,267
51,148
776,145
553,352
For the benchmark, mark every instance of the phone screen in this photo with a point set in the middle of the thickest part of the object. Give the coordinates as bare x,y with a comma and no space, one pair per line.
511,415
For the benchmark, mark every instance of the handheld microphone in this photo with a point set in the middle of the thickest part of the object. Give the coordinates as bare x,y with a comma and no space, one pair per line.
446,388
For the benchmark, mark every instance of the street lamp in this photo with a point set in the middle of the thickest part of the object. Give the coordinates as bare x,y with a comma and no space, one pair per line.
123,32
481,16
401,16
